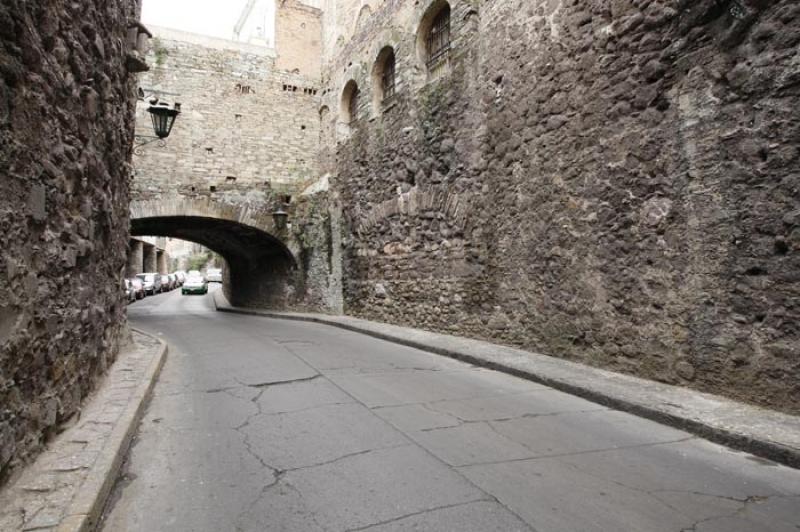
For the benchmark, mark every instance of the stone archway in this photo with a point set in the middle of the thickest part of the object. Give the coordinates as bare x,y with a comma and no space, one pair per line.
261,269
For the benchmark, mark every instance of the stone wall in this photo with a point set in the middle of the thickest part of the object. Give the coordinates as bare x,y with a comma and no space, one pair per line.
66,110
243,120
610,182
298,38
246,142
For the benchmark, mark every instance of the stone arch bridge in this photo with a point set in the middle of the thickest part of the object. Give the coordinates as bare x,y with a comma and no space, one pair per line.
262,266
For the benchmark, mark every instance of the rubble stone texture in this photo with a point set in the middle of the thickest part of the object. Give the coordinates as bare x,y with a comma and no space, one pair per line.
66,120
611,182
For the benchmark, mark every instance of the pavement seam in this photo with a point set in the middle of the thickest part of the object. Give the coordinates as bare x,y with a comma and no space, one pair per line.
578,453
747,442
414,514
414,443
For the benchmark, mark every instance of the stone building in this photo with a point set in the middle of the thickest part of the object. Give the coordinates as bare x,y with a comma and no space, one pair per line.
609,182
245,145
67,80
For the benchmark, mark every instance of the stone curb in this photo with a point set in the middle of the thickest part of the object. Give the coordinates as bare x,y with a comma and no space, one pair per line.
86,509
761,432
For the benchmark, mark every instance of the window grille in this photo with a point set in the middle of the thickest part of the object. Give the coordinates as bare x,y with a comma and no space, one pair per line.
353,107
439,40
388,78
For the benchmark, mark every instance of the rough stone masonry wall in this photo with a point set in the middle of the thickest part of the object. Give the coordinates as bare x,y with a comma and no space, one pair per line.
614,182
66,110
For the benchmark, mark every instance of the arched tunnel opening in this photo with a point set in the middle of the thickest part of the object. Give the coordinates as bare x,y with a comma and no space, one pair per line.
260,270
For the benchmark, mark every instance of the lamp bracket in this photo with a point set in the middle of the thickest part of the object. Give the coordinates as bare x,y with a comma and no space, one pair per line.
139,141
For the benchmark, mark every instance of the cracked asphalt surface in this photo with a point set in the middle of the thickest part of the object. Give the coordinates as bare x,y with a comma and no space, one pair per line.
270,425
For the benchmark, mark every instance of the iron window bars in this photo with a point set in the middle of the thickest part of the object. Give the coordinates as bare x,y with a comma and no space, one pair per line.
439,40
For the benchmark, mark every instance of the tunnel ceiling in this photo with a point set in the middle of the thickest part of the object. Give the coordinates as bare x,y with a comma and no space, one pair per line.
230,239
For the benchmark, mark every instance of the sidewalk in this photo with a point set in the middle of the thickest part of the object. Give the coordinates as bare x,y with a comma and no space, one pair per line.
65,489
762,432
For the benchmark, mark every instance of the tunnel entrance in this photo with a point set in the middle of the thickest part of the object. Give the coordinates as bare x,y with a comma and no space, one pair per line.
260,270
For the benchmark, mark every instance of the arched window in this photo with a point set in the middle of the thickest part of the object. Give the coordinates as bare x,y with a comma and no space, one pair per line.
388,77
352,109
363,17
434,39
349,105
438,41
384,79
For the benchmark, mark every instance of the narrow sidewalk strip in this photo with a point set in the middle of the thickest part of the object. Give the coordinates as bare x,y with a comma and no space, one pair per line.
66,488
759,431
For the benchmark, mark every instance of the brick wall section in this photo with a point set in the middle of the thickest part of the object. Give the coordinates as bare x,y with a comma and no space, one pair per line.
244,121
298,38
66,111
609,182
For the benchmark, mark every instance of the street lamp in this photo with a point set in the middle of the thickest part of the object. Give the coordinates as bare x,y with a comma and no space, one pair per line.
280,218
163,118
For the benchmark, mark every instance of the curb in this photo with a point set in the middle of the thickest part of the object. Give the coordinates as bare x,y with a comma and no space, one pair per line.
86,509
719,433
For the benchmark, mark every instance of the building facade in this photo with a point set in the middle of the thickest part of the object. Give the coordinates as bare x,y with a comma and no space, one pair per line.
609,182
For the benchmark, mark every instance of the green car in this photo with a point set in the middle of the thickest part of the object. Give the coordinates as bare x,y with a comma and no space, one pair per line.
194,285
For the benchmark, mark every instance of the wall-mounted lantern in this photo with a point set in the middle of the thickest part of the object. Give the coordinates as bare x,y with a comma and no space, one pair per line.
138,37
163,117
280,217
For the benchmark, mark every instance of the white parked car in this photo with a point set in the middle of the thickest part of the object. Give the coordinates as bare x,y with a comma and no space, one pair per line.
214,275
195,284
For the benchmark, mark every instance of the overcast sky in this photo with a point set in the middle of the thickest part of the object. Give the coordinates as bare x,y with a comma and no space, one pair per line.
208,17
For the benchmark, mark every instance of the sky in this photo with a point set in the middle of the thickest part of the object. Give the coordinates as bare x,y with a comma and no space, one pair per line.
208,17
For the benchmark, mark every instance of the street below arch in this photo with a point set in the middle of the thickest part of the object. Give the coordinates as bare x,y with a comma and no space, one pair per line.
262,424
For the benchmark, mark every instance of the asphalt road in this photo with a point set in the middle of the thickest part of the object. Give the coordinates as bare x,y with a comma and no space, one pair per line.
271,425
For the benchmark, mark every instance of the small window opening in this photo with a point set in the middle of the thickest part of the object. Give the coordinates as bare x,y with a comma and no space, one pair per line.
388,78
352,107
243,89
209,150
212,188
230,178
438,40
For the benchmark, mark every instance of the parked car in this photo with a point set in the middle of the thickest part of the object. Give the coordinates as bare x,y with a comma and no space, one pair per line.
214,275
166,284
152,283
181,275
130,293
195,284
138,287
173,280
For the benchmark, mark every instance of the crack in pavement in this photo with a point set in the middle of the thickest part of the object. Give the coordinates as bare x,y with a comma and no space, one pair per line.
422,448
752,499
414,514
577,453
346,456
281,383
462,421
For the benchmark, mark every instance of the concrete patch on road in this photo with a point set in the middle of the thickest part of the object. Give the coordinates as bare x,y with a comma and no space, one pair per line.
762,432
65,489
